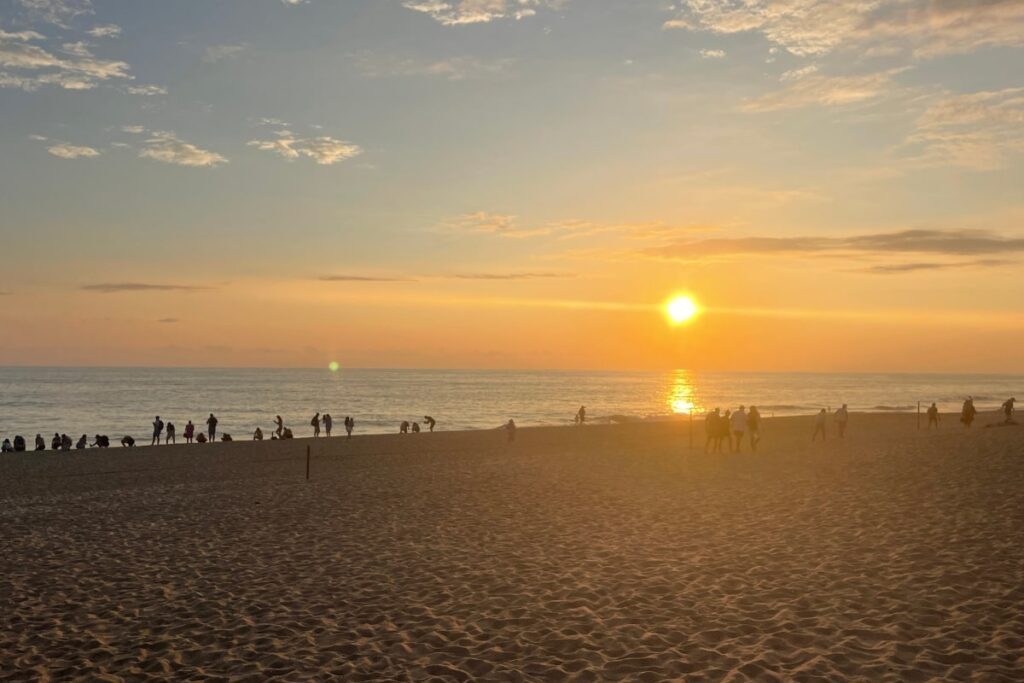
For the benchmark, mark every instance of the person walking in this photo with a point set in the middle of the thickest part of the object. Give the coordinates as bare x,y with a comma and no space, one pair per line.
738,424
968,412
280,427
711,430
158,429
581,416
1008,410
211,427
350,424
754,427
841,417
819,426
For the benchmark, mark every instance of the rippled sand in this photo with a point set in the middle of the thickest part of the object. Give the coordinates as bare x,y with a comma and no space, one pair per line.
588,554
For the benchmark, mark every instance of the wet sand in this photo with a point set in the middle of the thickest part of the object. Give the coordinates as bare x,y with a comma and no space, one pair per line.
602,553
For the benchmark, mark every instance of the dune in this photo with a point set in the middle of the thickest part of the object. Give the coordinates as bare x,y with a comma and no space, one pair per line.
598,553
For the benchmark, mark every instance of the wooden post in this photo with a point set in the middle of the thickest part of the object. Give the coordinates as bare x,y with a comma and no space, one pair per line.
691,428
918,416
307,463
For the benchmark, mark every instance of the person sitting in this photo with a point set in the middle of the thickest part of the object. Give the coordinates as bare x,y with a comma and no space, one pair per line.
257,435
226,437
201,438
55,443
287,433
82,443
65,442
404,428
40,443
19,444
6,447
415,427
127,442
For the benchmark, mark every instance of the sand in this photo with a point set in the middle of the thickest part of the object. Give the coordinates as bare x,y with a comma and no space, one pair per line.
602,553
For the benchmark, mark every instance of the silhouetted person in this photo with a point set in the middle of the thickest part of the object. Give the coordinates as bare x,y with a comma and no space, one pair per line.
738,424
968,412
1008,410
725,431
287,434
55,442
711,430
170,433
350,424
754,427
328,423
581,415
315,422
6,446
158,429
841,417
201,438
211,424
280,426
933,416
190,432
404,427
510,429
257,435
82,443
415,427
65,442
40,443
819,426
100,441
19,444
430,422
127,442
226,438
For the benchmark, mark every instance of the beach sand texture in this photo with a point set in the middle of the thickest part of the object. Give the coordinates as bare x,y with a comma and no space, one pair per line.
602,553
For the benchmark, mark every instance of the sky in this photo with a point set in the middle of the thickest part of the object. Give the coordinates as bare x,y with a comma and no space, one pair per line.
513,183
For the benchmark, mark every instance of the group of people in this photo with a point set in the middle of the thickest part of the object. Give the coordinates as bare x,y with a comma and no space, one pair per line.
326,420
731,428
414,427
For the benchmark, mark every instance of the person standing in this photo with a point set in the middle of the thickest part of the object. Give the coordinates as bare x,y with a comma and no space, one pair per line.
430,422
581,416
754,427
819,426
328,423
841,417
711,430
315,423
280,427
190,432
40,443
968,412
170,433
211,427
933,415
1008,410
739,428
510,429
158,429
350,424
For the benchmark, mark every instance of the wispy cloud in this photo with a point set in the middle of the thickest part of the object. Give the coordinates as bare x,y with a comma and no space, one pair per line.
324,150
460,68
460,12
915,267
66,151
217,53
166,147
117,287
146,90
363,278
168,321
106,31
712,54
29,66
509,276
810,88
57,12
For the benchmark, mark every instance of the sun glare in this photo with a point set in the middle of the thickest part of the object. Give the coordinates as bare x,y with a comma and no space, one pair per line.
681,309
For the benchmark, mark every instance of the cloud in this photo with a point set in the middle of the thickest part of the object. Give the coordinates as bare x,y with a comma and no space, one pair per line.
168,321
106,31
66,151
484,223
324,150
810,88
57,12
216,53
944,242
166,147
363,278
712,54
914,267
146,90
460,12
135,130
452,69
28,66
508,276
922,28
117,287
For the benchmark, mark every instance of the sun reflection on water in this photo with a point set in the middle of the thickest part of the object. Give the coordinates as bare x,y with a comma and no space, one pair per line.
682,394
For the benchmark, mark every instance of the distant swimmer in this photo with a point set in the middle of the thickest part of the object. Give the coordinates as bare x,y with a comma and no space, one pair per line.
841,417
40,443
158,429
280,426
350,424
430,422
581,416
170,433
415,427
315,423
933,416
1008,410
257,435
711,430
328,423
211,424
819,425
404,427
968,412
190,432
127,442
510,429
754,427
739,427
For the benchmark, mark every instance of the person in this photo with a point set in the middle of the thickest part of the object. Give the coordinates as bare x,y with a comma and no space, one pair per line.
739,428
82,443
415,427
510,429
754,427
841,417
6,447
127,442
65,442
724,431
40,443
819,426
968,412
190,432
211,423
257,435
170,433
933,415
158,429
226,437
19,444
328,423
350,424
581,415
280,426
1008,410
287,433
711,430
55,442
315,422
100,441
201,438
430,422
404,427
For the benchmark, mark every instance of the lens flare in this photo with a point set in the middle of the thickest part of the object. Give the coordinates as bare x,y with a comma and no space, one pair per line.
333,366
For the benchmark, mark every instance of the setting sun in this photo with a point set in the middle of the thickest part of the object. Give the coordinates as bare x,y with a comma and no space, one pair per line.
681,309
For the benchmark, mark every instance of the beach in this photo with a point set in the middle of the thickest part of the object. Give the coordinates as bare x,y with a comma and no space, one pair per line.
597,553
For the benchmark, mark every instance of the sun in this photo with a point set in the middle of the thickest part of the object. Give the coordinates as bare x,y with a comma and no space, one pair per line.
681,309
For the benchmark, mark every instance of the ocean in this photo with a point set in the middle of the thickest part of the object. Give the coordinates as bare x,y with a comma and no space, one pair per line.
119,401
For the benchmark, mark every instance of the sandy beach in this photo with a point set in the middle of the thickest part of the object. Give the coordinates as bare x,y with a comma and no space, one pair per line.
602,553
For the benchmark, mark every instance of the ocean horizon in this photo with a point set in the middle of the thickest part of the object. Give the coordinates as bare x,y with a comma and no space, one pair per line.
124,400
